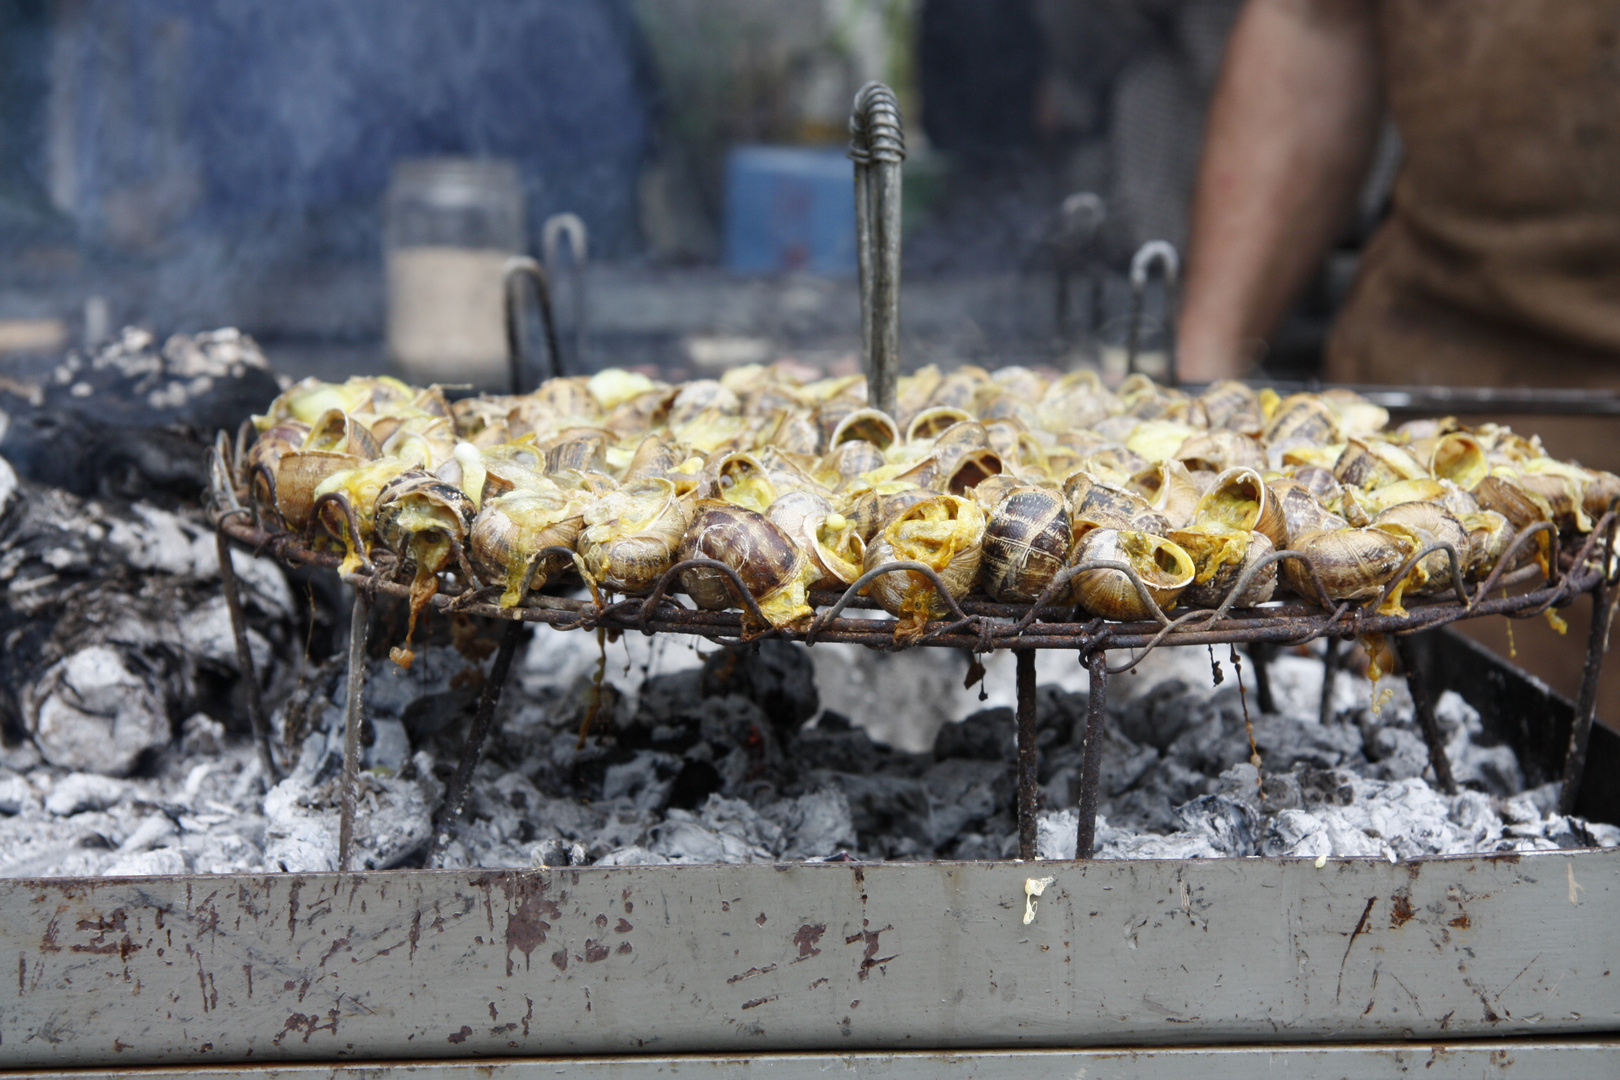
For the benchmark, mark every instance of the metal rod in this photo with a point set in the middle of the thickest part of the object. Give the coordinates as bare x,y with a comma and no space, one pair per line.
1163,254
472,750
1085,840
877,147
572,226
360,618
244,661
1260,654
1423,705
518,269
859,154
1330,677
1586,703
1029,756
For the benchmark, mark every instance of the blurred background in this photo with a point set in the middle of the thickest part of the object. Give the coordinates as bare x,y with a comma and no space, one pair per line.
336,177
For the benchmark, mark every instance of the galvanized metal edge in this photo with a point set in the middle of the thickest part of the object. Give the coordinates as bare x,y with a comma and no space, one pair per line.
1573,1059
839,958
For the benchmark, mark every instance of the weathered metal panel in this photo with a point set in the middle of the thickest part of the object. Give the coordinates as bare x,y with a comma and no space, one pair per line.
835,957
1581,1059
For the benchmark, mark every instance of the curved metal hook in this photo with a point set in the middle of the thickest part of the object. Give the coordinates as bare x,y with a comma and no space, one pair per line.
873,574
520,268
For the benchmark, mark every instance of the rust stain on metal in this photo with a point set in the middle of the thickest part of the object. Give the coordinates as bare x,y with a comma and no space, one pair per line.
751,972
528,1016
595,951
293,889
340,943
869,957
308,1024
461,1036
759,920
623,927
1461,922
624,949
806,937
560,959
1361,925
1400,910
757,1002
526,926
416,933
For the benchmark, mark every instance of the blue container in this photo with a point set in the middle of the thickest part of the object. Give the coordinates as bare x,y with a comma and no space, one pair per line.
790,209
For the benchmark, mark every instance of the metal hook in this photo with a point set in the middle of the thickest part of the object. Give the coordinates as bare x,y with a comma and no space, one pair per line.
1163,254
517,269
877,146
571,227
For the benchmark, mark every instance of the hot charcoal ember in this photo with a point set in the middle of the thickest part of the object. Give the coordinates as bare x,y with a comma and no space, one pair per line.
693,759
134,417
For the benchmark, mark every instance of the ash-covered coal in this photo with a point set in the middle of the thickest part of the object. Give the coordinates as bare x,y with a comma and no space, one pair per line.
697,757
134,417
115,631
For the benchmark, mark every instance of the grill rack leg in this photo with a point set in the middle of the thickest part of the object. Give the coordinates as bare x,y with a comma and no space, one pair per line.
244,661
358,626
472,749
1580,731
1423,705
1330,676
1029,756
1260,654
1085,841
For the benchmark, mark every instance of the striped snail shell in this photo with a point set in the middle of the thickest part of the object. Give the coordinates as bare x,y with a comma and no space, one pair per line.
1026,543
1240,499
1301,419
1233,406
1220,556
510,531
631,535
771,567
1302,514
1215,451
1353,563
945,533
1425,523
1165,569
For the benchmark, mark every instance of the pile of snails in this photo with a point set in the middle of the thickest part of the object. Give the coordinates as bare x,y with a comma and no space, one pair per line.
997,481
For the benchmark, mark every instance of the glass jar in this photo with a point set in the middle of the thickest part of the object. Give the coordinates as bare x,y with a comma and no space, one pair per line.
450,224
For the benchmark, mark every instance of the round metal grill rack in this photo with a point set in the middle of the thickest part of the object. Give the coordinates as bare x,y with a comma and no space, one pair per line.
975,625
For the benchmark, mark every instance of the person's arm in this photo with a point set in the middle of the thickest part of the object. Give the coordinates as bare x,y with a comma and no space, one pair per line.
1291,134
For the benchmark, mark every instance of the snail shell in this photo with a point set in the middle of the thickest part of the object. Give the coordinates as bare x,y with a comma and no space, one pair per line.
868,425
1489,535
1426,523
795,431
511,530
849,460
772,568
354,489
1216,451
1373,465
422,519
1026,542
989,492
578,450
298,474
631,534
872,510
931,423
646,410
1510,500
1601,490
1239,499
1164,567
340,433
960,388
1301,419
1170,490
261,461
569,396
654,456
1460,458
945,533
1302,514
1352,563
1220,556
831,540
1233,406
968,470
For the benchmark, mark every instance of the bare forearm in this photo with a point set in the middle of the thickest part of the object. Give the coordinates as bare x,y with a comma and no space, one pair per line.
1290,135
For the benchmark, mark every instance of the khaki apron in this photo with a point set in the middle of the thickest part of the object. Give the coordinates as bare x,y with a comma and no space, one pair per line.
1499,264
